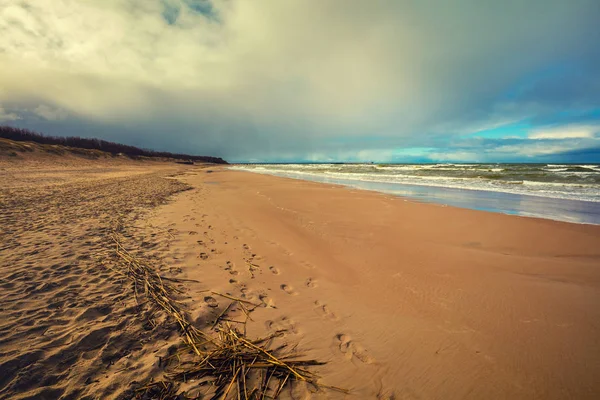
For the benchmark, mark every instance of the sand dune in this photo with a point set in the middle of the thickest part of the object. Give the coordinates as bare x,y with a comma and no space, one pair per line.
66,323
402,300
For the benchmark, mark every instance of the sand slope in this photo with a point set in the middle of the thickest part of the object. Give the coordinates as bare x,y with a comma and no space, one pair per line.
68,326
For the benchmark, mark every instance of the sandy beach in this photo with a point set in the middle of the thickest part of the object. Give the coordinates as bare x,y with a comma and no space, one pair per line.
402,300
293,200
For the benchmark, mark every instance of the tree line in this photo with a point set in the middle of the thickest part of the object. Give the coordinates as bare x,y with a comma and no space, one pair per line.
25,135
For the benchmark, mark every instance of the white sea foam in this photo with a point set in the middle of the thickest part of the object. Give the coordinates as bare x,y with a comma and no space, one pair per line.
449,176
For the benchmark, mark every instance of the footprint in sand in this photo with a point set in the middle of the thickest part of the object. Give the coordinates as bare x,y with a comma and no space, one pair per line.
307,265
311,283
274,270
252,267
248,294
288,289
282,324
327,313
211,302
266,301
204,256
231,268
233,281
351,349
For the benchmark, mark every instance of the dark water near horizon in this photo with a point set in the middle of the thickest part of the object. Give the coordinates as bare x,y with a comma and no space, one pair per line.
568,193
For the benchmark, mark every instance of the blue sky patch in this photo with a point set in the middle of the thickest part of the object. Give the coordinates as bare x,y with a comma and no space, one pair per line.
171,11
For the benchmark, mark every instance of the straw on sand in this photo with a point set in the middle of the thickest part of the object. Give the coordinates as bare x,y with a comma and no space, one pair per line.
224,361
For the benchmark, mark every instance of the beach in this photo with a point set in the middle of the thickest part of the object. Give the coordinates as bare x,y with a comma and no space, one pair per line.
401,299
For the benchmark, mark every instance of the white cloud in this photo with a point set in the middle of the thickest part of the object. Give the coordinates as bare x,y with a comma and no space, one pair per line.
460,156
49,113
6,116
477,125
550,142
533,149
566,132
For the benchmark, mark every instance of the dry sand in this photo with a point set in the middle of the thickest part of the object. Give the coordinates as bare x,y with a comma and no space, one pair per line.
403,300
66,323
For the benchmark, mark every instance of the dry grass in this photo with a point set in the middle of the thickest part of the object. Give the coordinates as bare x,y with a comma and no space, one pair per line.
222,362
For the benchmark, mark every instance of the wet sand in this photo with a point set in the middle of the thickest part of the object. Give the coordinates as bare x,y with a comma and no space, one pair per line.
558,209
402,299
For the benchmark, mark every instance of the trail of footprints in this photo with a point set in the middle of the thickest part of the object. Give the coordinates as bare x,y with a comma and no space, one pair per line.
343,343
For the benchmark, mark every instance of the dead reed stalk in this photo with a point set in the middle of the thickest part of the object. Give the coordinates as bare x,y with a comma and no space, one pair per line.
224,361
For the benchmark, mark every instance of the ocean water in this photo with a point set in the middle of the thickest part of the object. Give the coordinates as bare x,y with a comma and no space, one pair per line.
555,191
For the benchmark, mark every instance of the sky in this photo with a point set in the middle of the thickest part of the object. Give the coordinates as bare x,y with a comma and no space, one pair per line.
310,80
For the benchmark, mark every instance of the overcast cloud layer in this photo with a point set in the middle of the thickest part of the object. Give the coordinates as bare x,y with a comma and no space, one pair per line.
310,80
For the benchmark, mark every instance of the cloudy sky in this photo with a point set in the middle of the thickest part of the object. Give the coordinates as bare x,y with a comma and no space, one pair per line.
279,80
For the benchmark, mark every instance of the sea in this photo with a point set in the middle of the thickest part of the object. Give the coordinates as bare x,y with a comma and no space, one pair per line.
563,192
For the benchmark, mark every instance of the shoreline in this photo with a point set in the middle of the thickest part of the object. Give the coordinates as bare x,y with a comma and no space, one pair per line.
468,198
